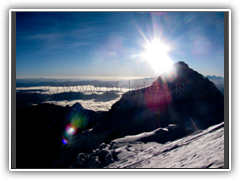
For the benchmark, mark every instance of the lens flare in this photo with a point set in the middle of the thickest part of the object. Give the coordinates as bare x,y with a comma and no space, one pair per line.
71,129
77,122
64,141
157,96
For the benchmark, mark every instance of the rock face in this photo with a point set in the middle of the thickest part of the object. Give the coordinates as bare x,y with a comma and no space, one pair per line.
181,97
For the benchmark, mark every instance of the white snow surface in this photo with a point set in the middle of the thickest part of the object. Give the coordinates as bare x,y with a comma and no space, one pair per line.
202,149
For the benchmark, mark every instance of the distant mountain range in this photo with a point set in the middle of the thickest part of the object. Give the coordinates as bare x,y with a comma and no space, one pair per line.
214,77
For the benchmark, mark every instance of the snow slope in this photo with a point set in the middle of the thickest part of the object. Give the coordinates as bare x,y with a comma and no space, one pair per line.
202,149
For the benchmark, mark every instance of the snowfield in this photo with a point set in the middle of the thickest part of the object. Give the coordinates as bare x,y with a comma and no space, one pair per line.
202,149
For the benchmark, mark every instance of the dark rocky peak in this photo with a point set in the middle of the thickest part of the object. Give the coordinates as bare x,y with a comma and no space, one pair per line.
77,106
193,85
179,71
181,64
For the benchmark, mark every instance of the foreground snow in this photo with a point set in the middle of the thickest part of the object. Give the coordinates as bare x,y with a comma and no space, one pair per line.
203,149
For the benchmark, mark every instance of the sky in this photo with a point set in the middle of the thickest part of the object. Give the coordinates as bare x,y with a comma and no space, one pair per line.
102,45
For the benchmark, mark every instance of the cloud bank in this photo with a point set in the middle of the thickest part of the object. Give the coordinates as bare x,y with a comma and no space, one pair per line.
90,104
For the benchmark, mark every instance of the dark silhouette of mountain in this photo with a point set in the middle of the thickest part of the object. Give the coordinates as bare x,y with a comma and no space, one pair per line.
174,96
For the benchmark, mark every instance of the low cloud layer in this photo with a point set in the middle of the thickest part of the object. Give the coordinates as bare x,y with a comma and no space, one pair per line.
88,104
100,104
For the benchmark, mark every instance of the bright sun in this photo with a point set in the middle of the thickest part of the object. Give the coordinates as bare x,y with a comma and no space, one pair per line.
156,55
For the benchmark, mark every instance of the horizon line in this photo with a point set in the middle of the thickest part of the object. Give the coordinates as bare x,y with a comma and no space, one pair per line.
98,77
88,77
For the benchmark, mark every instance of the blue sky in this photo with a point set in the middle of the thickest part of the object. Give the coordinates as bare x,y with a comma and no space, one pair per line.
109,44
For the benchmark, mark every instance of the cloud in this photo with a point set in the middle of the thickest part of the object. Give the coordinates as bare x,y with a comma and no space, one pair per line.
91,104
88,104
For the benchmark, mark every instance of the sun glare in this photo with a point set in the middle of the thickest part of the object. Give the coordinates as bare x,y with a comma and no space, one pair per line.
156,54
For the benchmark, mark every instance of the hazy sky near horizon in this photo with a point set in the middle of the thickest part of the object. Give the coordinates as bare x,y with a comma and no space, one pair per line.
110,44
